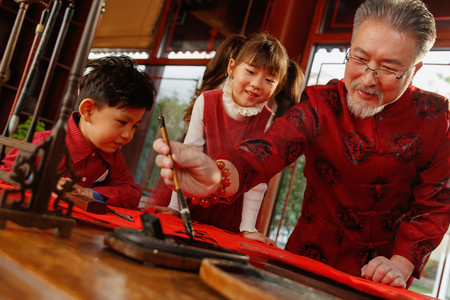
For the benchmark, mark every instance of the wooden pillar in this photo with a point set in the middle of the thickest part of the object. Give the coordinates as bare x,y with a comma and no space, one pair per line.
290,22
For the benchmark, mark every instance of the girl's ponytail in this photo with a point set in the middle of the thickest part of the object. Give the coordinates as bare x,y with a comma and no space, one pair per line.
216,70
291,90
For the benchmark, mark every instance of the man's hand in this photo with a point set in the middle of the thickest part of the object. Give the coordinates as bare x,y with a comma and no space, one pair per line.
197,173
258,237
395,271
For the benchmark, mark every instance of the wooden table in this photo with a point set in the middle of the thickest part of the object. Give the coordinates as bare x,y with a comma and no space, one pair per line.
34,264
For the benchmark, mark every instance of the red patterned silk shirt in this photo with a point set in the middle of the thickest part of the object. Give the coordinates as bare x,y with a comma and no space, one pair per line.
375,186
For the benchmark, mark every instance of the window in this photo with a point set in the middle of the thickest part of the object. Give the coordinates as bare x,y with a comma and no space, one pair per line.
177,85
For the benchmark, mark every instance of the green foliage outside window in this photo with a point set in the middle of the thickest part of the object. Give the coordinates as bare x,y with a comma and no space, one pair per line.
22,129
294,203
172,109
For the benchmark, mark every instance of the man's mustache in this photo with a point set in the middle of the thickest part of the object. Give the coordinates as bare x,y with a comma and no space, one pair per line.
368,90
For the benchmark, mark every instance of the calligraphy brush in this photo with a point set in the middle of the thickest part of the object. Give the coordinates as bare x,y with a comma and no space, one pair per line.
184,210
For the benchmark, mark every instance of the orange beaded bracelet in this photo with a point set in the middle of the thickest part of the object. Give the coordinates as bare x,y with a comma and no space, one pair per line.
221,191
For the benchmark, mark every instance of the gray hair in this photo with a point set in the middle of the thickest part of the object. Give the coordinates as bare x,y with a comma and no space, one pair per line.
410,16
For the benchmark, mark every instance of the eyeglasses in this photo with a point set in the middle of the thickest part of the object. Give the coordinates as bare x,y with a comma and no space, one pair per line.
380,73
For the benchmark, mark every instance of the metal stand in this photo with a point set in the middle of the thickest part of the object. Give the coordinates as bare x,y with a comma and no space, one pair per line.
36,183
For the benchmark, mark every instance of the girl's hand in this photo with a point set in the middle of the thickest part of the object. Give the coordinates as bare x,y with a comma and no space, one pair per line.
197,173
166,210
258,237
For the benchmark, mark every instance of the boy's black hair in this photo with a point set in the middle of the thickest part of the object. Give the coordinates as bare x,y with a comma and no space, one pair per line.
115,81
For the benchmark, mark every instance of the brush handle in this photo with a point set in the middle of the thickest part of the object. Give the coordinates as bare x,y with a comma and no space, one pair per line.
184,210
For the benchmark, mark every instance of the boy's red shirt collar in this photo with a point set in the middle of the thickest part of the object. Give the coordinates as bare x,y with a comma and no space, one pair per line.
78,146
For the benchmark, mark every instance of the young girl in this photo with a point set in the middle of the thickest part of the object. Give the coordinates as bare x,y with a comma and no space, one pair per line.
261,81
243,108
213,77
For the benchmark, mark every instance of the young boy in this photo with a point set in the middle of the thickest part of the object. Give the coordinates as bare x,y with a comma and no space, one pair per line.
113,98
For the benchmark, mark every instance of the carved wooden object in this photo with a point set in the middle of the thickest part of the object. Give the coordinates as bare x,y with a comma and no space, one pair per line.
35,184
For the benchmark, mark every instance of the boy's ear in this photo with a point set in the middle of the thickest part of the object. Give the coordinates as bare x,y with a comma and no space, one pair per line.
230,67
86,108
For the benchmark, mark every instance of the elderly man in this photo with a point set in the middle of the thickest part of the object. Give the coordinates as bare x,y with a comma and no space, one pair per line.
377,154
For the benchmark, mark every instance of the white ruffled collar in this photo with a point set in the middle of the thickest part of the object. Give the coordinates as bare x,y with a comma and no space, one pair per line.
233,109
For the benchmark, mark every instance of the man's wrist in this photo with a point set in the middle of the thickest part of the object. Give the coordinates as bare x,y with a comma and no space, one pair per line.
222,188
405,266
233,178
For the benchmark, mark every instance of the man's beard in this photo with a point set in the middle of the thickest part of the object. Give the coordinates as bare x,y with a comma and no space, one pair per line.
358,109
